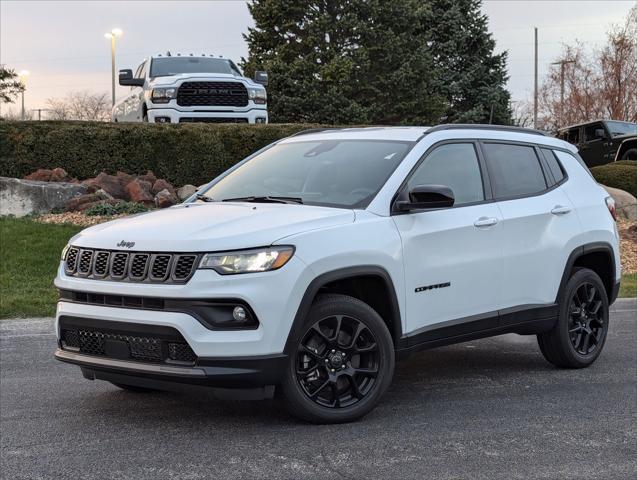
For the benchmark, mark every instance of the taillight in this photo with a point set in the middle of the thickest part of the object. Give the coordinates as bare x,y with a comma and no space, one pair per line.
610,203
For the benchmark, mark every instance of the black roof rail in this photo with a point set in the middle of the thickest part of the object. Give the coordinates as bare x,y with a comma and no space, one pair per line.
482,126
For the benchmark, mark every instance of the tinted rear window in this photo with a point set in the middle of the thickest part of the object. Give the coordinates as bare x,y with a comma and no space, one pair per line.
514,170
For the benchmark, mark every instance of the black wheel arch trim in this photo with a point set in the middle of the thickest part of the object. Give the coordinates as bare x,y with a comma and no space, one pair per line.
319,282
584,250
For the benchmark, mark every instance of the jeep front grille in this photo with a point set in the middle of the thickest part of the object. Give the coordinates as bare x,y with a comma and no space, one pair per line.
130,266
218,94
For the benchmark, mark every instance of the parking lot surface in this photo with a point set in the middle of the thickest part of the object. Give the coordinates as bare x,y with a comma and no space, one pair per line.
487,409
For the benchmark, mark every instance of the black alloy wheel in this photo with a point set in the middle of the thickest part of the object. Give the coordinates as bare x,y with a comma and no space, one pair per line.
587,326
337,361
341,362
579,333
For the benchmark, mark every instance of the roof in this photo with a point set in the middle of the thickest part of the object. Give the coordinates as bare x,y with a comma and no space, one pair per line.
414,134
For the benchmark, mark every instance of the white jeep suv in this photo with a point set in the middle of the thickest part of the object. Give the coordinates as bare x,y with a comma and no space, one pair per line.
177,89
315,263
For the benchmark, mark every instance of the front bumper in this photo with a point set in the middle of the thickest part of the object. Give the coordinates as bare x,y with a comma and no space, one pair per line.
178,116
239,372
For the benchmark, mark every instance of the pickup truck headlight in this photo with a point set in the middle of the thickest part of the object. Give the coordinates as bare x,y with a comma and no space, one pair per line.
163,95
247,261
258,95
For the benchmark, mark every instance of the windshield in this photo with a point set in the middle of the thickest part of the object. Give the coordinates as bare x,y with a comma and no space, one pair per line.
336,173
621,128
166,66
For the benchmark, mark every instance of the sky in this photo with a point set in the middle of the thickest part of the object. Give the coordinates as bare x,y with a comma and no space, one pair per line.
62,44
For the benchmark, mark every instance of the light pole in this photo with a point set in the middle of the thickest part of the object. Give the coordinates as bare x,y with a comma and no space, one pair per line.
23,80
113,34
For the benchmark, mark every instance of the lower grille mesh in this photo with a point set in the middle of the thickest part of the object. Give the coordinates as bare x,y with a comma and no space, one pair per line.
129,346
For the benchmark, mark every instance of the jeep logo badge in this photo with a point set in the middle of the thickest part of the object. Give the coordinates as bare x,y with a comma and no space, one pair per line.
126,244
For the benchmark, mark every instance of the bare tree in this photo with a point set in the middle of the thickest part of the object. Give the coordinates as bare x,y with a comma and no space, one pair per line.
81,105
603,84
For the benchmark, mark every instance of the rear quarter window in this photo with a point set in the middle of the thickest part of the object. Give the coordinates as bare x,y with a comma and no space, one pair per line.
554,165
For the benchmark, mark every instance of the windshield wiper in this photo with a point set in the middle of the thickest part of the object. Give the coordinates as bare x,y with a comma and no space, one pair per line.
204,198
266,199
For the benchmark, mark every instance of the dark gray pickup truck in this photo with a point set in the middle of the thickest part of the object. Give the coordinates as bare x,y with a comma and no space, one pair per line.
603,141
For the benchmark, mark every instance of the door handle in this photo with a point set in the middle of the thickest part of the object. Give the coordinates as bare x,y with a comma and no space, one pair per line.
560,210
485,222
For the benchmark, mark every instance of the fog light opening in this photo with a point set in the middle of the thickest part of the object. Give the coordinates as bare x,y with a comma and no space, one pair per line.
239,314
162,119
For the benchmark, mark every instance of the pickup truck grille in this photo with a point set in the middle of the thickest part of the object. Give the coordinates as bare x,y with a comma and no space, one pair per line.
218,94
130,266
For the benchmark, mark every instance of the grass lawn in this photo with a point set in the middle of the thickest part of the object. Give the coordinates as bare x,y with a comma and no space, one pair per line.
629,285
30,255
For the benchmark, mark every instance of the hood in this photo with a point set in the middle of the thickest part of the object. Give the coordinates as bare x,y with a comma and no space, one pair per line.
201,227
201,77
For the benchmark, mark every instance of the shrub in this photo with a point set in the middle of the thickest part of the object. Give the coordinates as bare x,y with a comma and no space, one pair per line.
183,153
622,175
128,208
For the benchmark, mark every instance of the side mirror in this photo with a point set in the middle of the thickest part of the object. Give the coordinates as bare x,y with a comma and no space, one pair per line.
126,79
426,197
261,77
600,133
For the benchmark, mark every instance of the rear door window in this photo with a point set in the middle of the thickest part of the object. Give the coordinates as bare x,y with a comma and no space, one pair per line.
514,170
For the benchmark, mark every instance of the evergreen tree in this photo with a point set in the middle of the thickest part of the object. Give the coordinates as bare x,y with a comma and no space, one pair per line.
375,61
469,75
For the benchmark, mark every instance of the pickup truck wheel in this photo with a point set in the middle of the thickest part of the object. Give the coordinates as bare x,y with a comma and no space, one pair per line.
342,363
579,334
630,154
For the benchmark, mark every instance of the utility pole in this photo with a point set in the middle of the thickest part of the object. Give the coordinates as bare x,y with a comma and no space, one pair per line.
535,88
561,63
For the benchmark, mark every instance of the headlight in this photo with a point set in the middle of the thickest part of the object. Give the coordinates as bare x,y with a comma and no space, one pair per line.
258,95
64,251
247,261
163,95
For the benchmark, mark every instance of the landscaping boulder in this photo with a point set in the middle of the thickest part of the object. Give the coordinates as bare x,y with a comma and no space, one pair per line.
140,191
162,184
110,184
148,177
24,197
625,203
186,191
76,203
165,199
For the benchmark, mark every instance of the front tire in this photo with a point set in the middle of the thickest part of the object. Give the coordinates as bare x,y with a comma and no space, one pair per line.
580,332
341,365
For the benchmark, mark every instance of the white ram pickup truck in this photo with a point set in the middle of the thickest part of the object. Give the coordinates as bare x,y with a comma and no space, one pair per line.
176,89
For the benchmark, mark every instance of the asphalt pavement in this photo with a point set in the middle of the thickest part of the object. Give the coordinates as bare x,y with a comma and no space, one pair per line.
485,409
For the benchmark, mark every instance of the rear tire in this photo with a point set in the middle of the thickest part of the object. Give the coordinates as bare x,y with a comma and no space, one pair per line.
579,334
341,365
